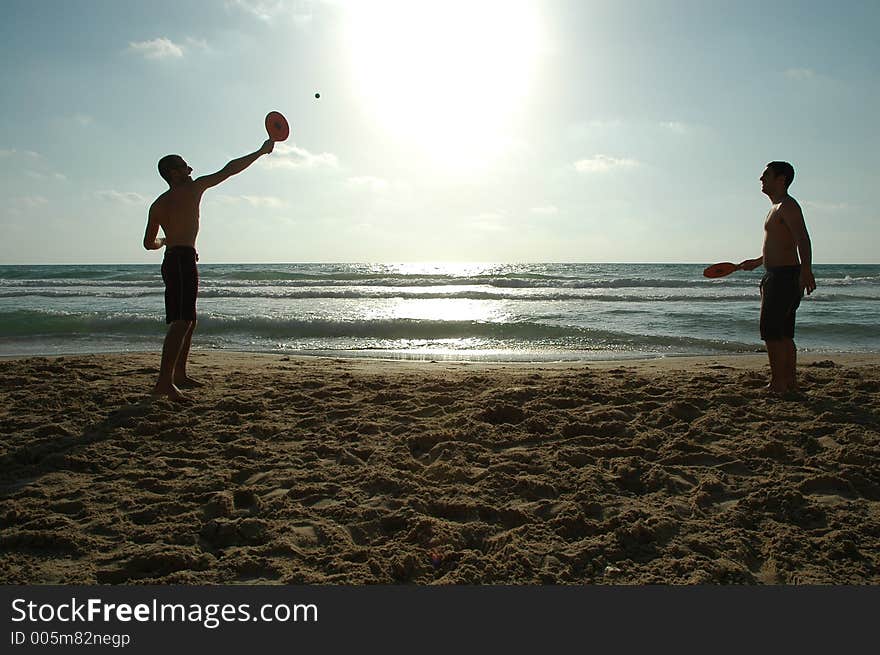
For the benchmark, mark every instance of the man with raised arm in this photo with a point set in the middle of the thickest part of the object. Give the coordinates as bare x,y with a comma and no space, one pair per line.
177,212
786,277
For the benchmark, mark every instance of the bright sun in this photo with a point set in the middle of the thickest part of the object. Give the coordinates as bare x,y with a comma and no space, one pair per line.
448,76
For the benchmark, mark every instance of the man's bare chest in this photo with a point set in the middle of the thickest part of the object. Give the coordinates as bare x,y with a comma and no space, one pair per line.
774,222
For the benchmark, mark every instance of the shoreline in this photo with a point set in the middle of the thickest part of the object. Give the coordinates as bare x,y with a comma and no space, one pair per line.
748,361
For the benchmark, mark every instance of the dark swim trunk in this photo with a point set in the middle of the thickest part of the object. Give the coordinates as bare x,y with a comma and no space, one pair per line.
780,297
181,277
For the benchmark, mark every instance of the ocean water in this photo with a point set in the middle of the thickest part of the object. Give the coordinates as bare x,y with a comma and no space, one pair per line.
516,312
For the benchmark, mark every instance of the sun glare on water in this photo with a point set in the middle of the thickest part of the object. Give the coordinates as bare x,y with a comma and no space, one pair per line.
449,77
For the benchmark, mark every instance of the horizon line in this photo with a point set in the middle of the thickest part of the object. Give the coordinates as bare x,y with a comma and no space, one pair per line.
427,261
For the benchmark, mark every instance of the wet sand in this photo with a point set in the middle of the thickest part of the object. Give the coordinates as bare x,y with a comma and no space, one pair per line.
330,471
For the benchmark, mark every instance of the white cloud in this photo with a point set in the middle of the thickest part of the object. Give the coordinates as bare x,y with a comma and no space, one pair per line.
9,152
487,222
126,197
262,9
828,206
676,126
584,129
590,128
25,159
84,120
683,128
193,42
368,182
364,227
32,202
289,156
270,202
603,163
800,73
269,10
160,48
36,175
263,202
601,124
547,210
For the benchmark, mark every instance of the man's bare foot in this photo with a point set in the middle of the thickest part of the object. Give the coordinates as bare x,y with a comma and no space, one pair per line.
774,388
187,382
793,391
171,392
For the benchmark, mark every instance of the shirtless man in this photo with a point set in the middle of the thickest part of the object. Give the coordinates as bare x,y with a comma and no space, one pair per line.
786,277
177,212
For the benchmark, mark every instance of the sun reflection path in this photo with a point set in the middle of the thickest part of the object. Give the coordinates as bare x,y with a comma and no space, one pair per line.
448,269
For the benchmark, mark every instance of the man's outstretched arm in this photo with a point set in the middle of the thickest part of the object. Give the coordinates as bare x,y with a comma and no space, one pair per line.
234,167
752,264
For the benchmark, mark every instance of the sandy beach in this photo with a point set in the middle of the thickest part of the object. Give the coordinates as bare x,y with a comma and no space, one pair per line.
330,471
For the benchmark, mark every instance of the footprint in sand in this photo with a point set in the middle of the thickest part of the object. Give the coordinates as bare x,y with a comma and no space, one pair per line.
246,500
69,507
220,532
221,504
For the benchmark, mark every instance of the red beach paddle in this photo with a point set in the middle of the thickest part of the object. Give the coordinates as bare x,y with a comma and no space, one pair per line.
720,270
276,126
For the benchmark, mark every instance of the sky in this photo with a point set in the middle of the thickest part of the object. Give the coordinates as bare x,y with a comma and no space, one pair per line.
475,130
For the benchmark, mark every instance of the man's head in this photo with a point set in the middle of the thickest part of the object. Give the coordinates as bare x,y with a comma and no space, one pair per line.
777,177
174,169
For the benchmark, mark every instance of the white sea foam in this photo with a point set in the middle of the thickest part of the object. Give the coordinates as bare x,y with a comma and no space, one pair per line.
569,310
